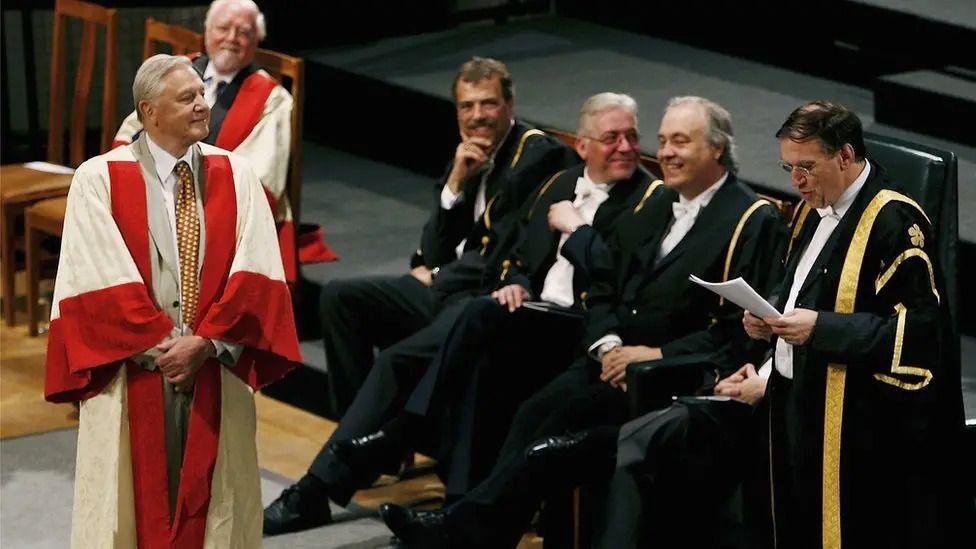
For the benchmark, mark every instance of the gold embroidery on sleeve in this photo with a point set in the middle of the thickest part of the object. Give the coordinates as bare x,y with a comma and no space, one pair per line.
735,240
896,366
798,220
525,137
647,194
542,191
902,257
915,234
837,373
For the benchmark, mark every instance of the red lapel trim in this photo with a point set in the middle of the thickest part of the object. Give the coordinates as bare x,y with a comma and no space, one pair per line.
246,110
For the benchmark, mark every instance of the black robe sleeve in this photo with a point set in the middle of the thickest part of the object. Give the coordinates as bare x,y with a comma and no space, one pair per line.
899,324
757,261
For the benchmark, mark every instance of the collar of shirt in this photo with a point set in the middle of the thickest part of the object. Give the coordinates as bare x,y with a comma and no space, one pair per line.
585,186
839,208
165,162
695,205
705,197
210,75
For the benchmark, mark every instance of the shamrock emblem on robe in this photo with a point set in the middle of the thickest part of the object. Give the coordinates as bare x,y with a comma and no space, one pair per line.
915,234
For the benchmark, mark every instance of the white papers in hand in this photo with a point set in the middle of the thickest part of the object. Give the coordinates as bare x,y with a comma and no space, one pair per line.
739,291
49,168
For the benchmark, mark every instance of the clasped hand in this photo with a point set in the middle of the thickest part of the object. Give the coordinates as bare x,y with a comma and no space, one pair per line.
182,358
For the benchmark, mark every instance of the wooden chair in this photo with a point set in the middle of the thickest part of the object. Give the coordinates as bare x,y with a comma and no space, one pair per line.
181,40
290,71
43,218
23,186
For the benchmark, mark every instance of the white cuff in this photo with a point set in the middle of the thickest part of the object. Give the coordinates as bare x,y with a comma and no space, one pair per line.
227,353
604,345
766,369
448,198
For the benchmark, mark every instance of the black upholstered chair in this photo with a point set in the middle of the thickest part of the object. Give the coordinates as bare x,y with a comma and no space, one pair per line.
927,175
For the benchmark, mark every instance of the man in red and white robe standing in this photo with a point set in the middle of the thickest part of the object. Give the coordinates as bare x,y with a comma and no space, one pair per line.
250,112
170,309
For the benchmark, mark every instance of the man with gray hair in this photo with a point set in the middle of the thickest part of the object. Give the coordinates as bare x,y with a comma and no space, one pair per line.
377,430
250,111
641,307
155,330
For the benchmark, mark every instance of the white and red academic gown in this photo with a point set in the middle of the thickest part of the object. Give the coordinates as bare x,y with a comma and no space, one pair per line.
257,126
105,315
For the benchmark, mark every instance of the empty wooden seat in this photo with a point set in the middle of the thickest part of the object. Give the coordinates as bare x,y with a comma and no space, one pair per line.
23,186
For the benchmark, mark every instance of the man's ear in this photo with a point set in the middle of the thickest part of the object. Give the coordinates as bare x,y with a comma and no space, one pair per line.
147,110
580,146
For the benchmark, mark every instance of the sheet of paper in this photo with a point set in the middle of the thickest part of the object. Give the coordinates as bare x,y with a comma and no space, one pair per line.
49,168
739,291
546,307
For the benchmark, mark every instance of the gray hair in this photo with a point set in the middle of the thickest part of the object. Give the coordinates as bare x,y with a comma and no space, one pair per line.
149,78
603,102
259,23
719,130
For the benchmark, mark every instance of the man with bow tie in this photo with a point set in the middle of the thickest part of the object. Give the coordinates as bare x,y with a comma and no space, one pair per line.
640,307
250,111
155,328
865,415
497,165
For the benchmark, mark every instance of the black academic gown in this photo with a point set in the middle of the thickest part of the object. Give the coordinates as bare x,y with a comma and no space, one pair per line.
467,391
862,437
645,304
361,314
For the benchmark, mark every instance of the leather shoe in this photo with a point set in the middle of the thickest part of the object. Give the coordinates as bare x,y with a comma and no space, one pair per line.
296,509
427,529
556,454
377,451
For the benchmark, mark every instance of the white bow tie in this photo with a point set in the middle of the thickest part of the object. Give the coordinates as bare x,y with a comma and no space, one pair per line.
828,211
680,210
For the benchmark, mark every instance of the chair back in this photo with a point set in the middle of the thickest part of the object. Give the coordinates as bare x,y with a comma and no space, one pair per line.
92,17
290,72
930,177
181,40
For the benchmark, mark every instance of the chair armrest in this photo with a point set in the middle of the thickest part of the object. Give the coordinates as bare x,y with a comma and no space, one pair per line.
651,384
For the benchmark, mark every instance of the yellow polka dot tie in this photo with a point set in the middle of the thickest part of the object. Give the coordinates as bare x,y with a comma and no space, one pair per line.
187,241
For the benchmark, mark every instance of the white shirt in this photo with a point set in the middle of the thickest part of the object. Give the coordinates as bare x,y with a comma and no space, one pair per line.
165,170
830,217
558,286
685,214
210,81
449,199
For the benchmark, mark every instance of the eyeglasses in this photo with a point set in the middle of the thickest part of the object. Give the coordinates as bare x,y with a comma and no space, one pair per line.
610,139
802,170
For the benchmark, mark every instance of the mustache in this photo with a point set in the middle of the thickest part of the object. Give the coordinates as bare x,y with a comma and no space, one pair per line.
475,124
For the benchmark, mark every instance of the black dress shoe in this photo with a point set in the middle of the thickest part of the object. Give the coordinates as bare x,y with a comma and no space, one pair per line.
376,452
297,508
426,529
556,454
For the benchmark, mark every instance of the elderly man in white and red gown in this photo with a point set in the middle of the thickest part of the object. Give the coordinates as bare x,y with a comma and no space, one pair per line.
250,115
170,309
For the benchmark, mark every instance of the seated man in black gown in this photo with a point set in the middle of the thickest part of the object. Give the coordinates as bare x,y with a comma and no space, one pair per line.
499,162
610,186
641,306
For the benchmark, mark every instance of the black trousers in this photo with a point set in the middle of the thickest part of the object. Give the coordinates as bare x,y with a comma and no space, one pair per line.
388,384
497,511
678,470
362,313
491,361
